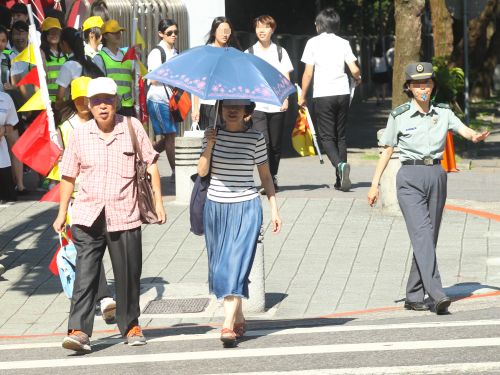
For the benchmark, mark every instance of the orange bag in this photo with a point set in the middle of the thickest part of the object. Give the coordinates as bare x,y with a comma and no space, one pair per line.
179,104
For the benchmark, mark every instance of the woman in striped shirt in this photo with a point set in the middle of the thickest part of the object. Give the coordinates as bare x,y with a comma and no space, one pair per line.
233,210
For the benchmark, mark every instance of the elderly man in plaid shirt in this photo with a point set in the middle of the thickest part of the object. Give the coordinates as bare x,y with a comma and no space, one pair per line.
105,213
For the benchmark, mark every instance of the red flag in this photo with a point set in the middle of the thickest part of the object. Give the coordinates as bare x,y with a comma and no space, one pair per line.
35,148
74,12
38,10
130,54
143,108
53,195
30,79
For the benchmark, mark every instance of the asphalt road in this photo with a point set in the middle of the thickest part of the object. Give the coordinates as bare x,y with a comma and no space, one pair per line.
395,342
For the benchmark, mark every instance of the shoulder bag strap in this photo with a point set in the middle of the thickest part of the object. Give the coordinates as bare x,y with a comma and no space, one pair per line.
133,137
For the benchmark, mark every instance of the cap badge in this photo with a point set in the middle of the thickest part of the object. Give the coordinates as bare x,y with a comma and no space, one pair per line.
419,68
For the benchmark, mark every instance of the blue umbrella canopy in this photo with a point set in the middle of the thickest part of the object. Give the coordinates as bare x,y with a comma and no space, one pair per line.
224,73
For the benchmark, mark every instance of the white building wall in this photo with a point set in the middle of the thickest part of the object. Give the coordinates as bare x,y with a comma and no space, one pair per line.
201,13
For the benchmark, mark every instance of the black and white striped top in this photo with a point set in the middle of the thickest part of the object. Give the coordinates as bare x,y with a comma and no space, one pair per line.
233,160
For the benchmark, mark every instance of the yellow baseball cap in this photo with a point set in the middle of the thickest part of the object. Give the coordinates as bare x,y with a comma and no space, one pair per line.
50,23
79,87
111,26
94,21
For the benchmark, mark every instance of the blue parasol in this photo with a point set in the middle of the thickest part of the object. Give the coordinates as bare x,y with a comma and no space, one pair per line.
224,73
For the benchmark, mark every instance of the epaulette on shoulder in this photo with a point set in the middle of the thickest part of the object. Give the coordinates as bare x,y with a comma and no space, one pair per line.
443,105
401,109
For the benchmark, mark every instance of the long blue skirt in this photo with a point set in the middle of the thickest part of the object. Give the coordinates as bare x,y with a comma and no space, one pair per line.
231,233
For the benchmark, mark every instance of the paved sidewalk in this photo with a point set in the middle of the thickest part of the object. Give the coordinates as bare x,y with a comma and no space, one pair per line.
334,254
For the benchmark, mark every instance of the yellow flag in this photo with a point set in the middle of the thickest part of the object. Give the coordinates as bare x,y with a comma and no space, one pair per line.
26,55
139,40
34,103
142,69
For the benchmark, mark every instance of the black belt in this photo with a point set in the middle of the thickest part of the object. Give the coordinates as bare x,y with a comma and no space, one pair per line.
426,161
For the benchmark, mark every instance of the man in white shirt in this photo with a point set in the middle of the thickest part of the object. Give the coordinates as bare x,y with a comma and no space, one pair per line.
325,56
269,119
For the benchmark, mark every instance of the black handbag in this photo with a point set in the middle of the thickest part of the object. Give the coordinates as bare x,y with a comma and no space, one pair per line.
145,195
197,203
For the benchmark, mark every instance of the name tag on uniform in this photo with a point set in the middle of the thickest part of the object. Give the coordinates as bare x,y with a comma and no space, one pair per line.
410,129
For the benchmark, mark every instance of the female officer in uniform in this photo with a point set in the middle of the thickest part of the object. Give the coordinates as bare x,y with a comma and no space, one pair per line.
419,129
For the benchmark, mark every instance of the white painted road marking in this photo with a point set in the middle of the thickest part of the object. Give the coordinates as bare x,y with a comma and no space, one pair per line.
249,353
274,332
449,368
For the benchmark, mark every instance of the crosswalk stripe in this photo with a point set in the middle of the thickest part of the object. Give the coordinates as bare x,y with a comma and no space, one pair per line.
249,353
449,368
276,332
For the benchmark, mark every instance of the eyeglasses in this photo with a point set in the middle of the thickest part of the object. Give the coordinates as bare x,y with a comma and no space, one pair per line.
99,100
172,32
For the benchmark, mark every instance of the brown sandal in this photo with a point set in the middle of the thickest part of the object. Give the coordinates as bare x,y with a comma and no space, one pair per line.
240,329
228,337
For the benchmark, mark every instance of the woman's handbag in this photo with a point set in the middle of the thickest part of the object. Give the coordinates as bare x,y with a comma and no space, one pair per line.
194,132
198,199
145,195
197,203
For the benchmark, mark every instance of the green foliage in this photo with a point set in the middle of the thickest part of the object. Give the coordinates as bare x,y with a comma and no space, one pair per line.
450,81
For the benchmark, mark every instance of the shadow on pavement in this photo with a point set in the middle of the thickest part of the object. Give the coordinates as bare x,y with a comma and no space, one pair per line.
464,290
27,248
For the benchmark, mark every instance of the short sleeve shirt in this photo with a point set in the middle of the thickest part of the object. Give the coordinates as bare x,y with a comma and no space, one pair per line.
235,155
8,116
271,56
328,53
419,135
69,71
107,172
157,93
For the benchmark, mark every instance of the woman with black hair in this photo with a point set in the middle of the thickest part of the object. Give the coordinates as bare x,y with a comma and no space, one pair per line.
51,53
419,129
164,126
232,215
78,63
325,56
221,35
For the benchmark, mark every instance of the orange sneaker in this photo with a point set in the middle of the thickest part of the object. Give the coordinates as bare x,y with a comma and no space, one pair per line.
135,336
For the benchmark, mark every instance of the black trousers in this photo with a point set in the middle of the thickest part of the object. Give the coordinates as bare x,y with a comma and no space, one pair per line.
271,125
7,190
125,250
331,117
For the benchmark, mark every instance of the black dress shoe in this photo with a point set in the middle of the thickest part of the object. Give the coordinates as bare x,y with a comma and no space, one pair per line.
417,306
441,306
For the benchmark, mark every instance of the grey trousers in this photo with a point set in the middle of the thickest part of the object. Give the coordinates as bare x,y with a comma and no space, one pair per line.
421,194
125,250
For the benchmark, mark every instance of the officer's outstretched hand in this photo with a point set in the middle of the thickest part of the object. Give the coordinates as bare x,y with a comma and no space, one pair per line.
373,195
478,137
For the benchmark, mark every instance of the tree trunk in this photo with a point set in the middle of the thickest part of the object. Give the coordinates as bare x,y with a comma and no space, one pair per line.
484,49
407,14
442,28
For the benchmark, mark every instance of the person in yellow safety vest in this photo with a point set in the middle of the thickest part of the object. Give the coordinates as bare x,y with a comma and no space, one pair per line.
109,60
51,52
